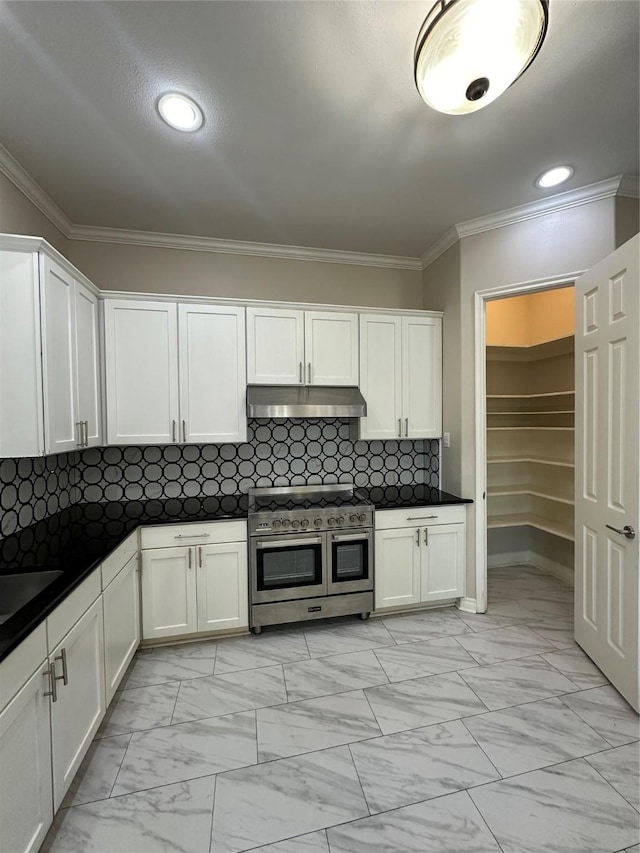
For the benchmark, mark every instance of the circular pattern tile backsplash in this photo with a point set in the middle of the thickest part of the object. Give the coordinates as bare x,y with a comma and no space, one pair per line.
277,453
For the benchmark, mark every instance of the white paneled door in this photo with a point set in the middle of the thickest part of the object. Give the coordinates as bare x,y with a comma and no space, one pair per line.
608,466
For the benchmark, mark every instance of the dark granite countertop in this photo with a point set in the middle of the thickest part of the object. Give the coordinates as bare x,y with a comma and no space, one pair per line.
408,497
78,539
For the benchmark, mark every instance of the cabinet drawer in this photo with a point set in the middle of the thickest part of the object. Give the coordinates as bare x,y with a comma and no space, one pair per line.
17,668
421,516
118,559
195,533
72,608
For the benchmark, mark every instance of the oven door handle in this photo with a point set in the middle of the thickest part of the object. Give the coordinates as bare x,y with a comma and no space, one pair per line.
350,537
288,543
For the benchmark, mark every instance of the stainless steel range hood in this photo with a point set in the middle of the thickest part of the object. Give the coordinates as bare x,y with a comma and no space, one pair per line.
300,401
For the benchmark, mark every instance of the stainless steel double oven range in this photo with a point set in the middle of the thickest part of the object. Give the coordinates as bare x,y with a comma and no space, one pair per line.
310,553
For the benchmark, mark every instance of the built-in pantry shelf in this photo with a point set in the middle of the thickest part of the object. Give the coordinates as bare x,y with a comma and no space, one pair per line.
527,519
503,491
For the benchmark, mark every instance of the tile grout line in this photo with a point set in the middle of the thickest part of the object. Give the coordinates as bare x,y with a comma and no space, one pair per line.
610,784
484,820
355,767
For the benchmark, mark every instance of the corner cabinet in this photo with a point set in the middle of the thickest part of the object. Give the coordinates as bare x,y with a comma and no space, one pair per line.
174,373
289,347
420,556
401,376
194,579
49,353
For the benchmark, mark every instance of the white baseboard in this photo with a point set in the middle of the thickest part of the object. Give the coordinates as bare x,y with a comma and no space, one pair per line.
532,558
467,605
507,558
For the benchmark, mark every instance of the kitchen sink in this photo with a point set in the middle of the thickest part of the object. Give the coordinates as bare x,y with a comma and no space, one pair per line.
18,589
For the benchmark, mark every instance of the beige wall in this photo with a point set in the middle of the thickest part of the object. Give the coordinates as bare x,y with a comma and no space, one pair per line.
627,219
20,216
530,319
178,271
561,243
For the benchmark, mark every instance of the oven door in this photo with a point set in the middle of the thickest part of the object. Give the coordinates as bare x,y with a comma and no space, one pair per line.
284,568
351,561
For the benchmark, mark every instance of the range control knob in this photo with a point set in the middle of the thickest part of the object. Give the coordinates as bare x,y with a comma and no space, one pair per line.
295,524
362,517
353,519
340,521
317,522
304,523
286,522
332,522
277,524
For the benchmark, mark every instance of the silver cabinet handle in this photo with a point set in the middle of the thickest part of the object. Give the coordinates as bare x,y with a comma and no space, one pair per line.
51,672
309,373
426,535
200,556
418,537
300,372
399,427
406,427
190,557
173,430
192,536
65,674
86,433
184,431
626,531
420,517
78,427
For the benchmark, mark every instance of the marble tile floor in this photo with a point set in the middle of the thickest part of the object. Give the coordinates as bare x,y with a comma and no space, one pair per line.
432,732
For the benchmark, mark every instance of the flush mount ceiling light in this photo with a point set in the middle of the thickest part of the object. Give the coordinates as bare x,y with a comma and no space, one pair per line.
553,177
469,52
180,112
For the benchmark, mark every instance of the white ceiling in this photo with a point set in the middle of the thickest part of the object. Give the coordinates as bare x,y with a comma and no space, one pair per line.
315,134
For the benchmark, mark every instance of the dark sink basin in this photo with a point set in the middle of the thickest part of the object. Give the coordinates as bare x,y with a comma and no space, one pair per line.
18,589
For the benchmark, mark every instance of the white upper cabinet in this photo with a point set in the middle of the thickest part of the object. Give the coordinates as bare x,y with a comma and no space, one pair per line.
301,347
401,376
275,347
381,375
212,374
422,377
331,348
49,403
21,401
88,366
141,352
62,427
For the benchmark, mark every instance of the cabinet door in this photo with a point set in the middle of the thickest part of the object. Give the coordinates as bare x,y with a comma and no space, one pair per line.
397,569
88,361
443,562
213,375
421,377
223,586
62,432
121,603
168,592
141,354
331,348
275,347
381,375
80,705
21,412
26,805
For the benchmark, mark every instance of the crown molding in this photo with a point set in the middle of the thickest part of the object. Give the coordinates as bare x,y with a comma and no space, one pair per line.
629,186
21,179
238,247
550,204
448,239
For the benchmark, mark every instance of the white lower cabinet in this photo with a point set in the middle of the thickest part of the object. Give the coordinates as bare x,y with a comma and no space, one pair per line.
168,592
223,594
78,708
193,588
420,556
121,603
26,804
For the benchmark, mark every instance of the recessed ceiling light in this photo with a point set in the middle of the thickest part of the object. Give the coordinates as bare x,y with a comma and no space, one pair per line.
180,112
553,177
